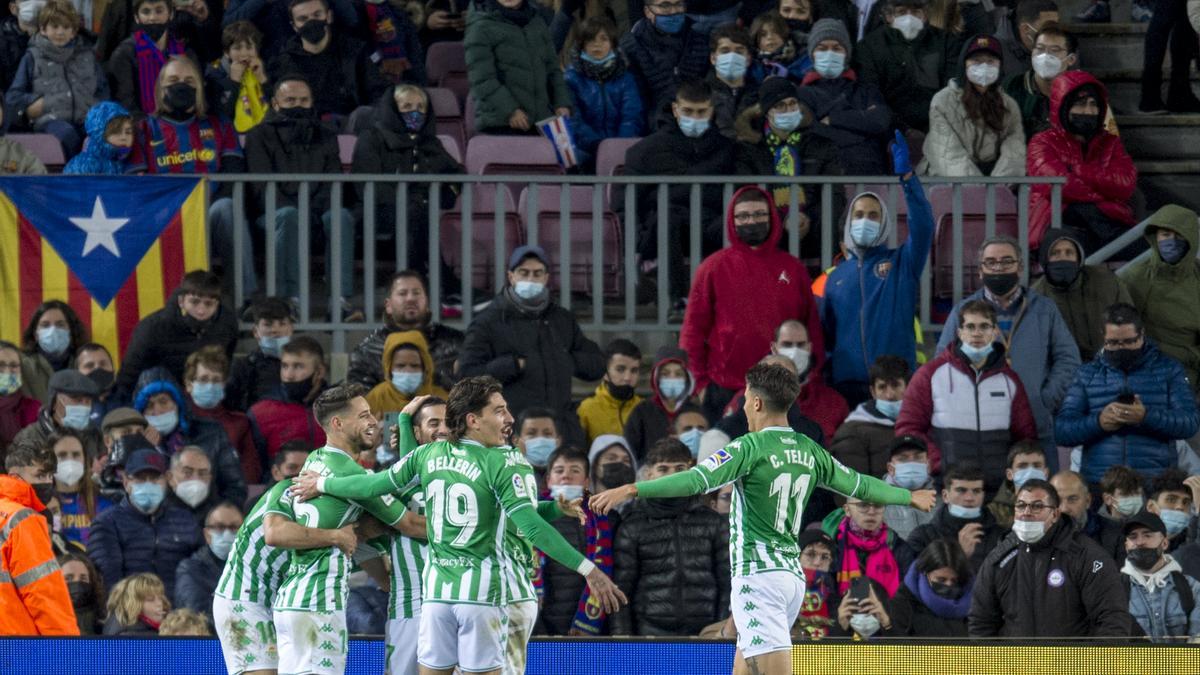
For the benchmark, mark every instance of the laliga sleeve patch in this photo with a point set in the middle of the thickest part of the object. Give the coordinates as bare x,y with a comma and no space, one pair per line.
518,486
717,459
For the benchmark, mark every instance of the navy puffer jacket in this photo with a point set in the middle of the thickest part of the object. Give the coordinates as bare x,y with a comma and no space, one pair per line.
125,541
1149,447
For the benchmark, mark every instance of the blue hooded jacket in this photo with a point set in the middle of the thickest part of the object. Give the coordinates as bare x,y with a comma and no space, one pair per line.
99,157
871,296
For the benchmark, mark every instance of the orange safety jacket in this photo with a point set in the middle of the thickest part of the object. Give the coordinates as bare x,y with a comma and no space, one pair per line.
33,594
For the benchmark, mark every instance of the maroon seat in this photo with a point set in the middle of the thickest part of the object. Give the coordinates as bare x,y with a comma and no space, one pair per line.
610,161
446,66
451,147
579,228
485,229
974,232
43,146
346,150
448,115
517,155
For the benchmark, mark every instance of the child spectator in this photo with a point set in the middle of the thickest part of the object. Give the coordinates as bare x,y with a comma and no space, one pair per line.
410,369
866,547
605,95
778,53
287,413
137,605
110,132
609,408
184,622
673,385
613,463
135,64
204,378
816,556
1121,493
908,467
58,79
256,374
237,83
864,440
1025,460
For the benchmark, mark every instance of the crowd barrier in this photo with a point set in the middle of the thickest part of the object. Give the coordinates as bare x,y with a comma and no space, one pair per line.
637,656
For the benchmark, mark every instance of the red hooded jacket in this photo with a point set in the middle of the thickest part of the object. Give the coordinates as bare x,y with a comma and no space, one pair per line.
1099,173
739,297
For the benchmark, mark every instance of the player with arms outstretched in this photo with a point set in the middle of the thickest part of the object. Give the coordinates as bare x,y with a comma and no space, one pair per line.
774,471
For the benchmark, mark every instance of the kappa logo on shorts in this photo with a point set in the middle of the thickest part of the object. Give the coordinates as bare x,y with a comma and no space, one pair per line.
754,623
326,646
326,628
756,641
326,663
746,589
750,607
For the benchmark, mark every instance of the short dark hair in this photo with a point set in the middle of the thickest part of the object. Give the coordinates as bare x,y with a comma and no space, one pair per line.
622,347
668,450
732,32
271,309
1054,29
694,90
30,453
1120,478
224,504
1039,484
776,385
304,344
238,32
1170,480
1123,313
469,396
889,368
1030,10
944,553
407,274
292,5
964,471
91,347
592,27
569,454
5,344
535,413
982,307
335,400
744,196
200,282
427,403
137,4
294,445
1023,448
292,76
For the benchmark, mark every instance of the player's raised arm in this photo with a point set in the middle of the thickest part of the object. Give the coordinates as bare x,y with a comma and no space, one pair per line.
724,466
844,480
309,485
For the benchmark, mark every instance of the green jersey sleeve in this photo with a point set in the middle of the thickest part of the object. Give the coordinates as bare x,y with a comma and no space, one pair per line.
548,510
277,500
842,479
408,440
723,466
365,486
386,508
547,540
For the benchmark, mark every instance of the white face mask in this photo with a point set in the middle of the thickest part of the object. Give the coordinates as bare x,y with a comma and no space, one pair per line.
908,25
69,471
192,492
799,356
865,625
1029,531
568,492
983,74
1046,66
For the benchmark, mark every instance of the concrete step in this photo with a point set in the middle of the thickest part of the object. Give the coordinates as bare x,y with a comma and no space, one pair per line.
1125,87
1068,9
1163,182
1110,45
1161,137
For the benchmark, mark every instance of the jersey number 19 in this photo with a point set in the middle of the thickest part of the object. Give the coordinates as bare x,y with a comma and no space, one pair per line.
456,505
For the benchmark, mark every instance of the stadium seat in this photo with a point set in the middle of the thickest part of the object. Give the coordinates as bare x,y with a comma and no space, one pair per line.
468,118
484,230
451,146
519,155
43,146
446,66
579,218
610,161
346,150
448,114
974,231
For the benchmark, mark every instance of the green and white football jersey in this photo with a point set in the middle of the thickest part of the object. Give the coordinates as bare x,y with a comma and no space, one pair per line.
253,571
408,563
517,553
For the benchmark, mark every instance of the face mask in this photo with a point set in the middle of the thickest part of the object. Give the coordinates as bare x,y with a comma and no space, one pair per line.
407,382
786,122
77,417
983,74
1144,558
69,471
180,98
731,66
44,492
208,394
889,409
537,450
313,31
273,346
1021,476
616,474
977,354
798,25
1123,360
669,24
693,127
529,290
82,594
299,114
800,357
753,234
221,544
103,378
1046,66
296,392
122,152
1127,506
1062,273
908,25
164,423
829,64
964,512
911,475
567,492
1176,521
192,492
671,387
154,31
948,591
53,340
621,392
1171,250
864,231
413,120
1029,531
1001,284
603,60
146,497
9,382
691,438
865,625
1084,125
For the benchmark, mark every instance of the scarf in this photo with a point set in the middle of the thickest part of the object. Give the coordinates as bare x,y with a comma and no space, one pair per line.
1152,581
589,617
944,608
881,564
786,162
384,27
149,62
814,618
149,622
531,308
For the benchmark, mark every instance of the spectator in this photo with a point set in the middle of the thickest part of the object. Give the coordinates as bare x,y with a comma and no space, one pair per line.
608,409
1156,583
49,343
994,412
1025,461
190,480
671,557
816,555
778,55
92,359
513,70
403,140
274,20
672,385
135,64
852,113
613,463
935,597
196,577
1100,175
291,139
1017,28
665,49
287,413
604,93
406,358
1029,324
86,590
862,619
773,140
868,314
445,21
1055,51
686,144
109,129
733,91
1166,284
256,375
192,318
14,158
58,79
863,442
68,406
739,296
1080,291
974,127
1129,405
237,83
204,379
392,39
1169,19
961,520
1121,493
908,468
288,461
15,30
184,622
343,77
866,547
1075,498
530,343
537,436
817,401
689,427
79,501
17,410
142,533
137,605
888,58
1172,501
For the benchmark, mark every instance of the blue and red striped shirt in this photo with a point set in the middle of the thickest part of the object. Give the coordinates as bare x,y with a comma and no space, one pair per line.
192,146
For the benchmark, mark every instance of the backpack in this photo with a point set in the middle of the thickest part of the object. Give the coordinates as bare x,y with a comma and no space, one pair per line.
1186,600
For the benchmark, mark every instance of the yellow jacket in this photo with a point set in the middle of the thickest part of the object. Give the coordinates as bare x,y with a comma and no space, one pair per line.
385,398
601,413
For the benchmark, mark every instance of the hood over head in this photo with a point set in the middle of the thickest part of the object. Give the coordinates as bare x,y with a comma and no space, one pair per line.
776,224
97,121
155,381
416,339
887,222
1177,219
603,442
672,354
387,116
1054,236
1065,90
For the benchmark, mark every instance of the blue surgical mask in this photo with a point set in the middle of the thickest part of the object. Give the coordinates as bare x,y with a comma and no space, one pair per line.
9,382
964,512
146,496
671,387
1028,473
693,127
977,354
164,423
829,64
731,66
537,450
864,231
208,395
691,438
669,23
273,346
407,382
77,417
1127,506
1175,520
567,492
528,290
786,122
607,58
53,340
1171,250
889,409
911,475
222,543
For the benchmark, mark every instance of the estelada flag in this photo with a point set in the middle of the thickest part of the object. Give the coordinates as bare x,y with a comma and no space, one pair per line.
112,247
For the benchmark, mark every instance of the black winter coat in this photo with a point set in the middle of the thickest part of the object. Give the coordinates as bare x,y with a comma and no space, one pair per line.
196,579
251,378
167,337
660,61
946,526
343,77
1061,586
672,560
125,541
563,586
908,73
281,145
13,42
911,618
551,342
366,361
860,122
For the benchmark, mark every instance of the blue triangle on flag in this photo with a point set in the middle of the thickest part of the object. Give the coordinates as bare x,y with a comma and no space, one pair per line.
101,226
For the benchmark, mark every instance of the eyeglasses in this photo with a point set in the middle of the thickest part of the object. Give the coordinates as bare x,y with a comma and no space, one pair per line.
1032,509
1120,344
999,265
977,327
751,217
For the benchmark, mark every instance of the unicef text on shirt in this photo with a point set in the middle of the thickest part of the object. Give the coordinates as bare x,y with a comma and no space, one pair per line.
180,158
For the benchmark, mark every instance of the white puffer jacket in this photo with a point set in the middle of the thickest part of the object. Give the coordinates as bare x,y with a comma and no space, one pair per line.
955,143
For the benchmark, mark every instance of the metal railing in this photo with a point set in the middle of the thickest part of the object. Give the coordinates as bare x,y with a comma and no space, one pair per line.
617,313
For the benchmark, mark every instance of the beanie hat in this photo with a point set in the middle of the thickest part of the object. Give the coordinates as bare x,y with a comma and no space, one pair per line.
829,29
774,90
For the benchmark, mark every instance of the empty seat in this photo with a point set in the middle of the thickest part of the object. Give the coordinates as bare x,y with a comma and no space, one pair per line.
518,155
974,231
579,228
610,161
346,150
448,115
43,146
446,66
451,146
485,229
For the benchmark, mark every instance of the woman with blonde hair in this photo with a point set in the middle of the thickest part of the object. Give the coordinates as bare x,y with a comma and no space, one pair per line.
137,605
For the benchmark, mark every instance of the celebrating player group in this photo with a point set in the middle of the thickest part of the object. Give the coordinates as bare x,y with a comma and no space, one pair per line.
459,515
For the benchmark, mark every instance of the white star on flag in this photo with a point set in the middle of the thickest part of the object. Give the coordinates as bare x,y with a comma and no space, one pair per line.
100,229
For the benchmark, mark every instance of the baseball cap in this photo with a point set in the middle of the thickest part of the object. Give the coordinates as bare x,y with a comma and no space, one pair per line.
902,443
145,459
527,251
1144,519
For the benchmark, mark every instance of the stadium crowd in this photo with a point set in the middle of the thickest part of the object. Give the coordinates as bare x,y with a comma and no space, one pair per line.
1058,420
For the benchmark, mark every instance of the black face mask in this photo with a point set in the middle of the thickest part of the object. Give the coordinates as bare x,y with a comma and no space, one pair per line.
103,378
1062,273
313,31
154,31
1123,359
754,234
616,474
621,392
298,391
1144,558
1001,284
180,98
82,594
1084,125
44,492
299,114
948,591
798,25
